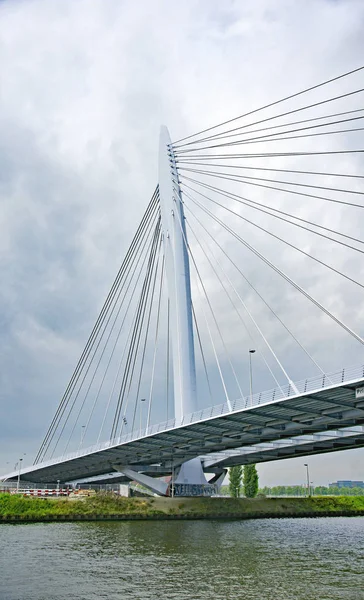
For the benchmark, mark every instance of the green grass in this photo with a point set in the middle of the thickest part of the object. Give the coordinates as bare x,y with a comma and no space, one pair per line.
104,505
101,504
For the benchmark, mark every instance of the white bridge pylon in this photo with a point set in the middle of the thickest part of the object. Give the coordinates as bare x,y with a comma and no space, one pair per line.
178,280
190,477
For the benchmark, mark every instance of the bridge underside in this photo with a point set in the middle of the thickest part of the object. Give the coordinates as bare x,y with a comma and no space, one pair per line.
260,433
347,438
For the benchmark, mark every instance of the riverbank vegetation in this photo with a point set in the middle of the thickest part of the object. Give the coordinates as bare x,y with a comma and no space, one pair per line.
103,506
243,481
250,481
235,477
99,504
300,490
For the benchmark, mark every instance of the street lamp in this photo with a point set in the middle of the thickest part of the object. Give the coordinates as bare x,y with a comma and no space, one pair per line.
82,434
172,481
141,400
308,479
251,351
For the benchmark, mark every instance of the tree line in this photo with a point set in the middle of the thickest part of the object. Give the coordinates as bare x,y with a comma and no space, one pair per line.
243,481
301,490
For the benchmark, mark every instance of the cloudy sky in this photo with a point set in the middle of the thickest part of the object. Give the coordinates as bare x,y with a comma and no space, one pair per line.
84,88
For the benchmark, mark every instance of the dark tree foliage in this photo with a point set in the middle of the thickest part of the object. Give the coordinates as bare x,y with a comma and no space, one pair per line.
235,475
250,481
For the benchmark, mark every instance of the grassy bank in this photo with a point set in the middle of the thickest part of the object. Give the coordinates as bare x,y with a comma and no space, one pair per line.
102,506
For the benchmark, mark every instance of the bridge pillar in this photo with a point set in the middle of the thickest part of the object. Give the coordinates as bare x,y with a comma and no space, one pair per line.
190,479
178,280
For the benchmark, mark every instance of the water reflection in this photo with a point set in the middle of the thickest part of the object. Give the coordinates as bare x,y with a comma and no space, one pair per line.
273,559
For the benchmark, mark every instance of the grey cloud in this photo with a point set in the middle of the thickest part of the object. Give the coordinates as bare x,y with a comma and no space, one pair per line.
85,88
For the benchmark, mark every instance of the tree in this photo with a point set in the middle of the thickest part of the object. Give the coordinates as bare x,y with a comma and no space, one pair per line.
250,481
235,475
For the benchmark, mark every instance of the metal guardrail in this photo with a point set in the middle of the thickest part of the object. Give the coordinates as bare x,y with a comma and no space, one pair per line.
282,393
286,391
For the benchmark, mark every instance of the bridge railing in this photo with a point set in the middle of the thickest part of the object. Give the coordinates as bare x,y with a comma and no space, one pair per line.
283,392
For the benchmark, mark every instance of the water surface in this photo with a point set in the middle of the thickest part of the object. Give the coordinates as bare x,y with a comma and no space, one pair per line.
283,559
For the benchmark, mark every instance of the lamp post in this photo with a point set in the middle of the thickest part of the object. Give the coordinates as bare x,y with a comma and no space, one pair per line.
82,434
172,481
251,351
18,483
141,405
308,479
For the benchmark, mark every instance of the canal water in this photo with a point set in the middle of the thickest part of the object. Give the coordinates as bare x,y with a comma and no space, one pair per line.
282,559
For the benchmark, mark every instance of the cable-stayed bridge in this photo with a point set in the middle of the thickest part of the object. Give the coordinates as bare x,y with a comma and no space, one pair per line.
238,249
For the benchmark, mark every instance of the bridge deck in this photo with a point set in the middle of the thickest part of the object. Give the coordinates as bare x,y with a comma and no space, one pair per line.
347,438
332,407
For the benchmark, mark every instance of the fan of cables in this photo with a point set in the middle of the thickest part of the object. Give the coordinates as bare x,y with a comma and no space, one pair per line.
273,210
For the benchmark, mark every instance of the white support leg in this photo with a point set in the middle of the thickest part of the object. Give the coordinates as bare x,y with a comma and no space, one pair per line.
156,485
178,281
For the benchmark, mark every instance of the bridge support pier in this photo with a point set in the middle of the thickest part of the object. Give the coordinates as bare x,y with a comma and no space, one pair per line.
158,486
190,480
